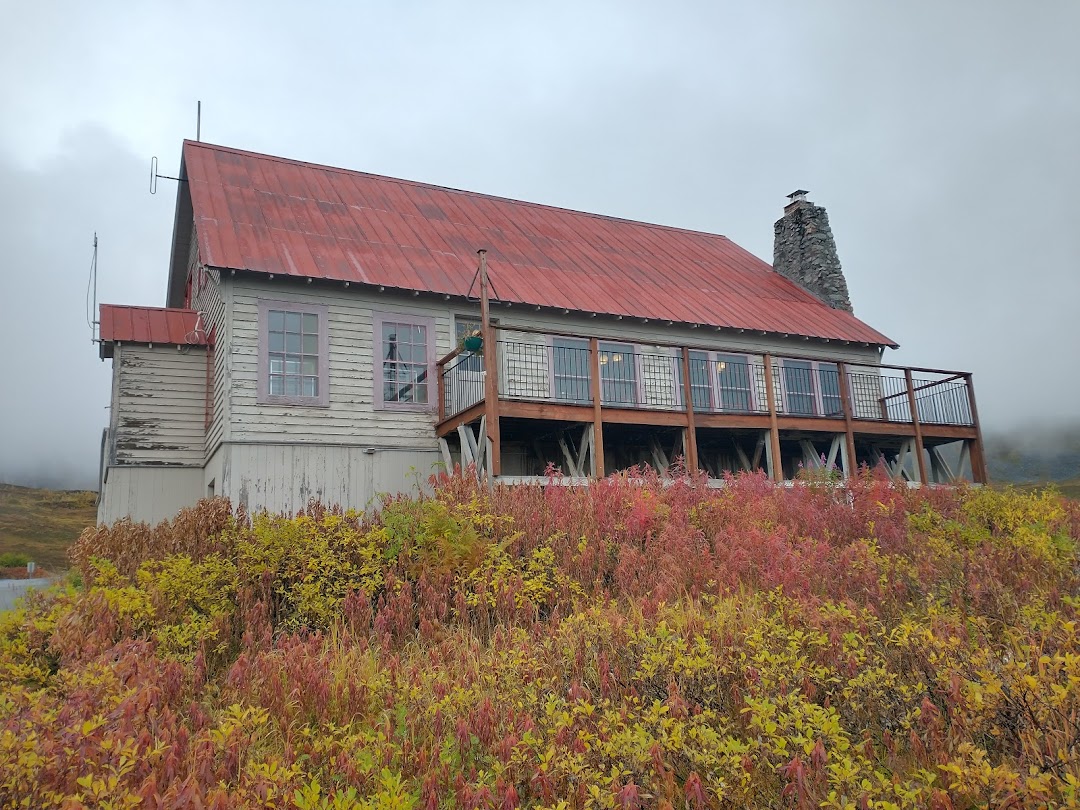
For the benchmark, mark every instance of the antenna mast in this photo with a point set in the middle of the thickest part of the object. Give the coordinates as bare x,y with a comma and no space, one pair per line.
91,316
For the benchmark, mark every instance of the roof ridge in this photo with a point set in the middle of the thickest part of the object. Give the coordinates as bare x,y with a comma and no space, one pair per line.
437,187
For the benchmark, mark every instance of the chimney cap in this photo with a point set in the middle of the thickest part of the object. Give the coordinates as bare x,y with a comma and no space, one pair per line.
798,195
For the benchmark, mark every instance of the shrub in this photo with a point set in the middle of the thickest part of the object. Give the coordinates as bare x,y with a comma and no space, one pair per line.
636,643
13,559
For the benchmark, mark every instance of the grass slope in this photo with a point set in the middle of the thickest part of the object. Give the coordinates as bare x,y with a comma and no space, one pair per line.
43,523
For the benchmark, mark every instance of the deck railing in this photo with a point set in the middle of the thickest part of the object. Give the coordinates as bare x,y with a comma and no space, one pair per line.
557,369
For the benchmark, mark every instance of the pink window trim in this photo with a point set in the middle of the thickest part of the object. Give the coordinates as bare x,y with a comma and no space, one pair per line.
378,383
264,395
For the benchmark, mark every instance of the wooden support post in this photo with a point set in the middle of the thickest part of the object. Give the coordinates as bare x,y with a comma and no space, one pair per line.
776,467
691,430
849,433
978,457
491,372
919,453
440,376
597,396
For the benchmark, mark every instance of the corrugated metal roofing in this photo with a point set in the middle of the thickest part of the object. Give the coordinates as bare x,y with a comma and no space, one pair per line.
148,325
272,215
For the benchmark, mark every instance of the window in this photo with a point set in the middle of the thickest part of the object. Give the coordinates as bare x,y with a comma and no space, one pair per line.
800,396
293,354
733,383
405,357
617,378
571,369
463,327
700,384
829,378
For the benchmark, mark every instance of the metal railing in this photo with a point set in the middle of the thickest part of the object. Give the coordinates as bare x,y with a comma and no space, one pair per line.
534,366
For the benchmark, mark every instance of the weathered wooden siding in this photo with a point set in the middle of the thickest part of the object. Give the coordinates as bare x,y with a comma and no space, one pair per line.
209,298
159,405
284,477
351,417
149,494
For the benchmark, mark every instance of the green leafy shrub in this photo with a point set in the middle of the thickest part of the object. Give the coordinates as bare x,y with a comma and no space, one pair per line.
632,644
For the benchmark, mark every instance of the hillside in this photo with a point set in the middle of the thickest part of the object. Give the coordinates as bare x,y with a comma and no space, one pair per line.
43,523
627,645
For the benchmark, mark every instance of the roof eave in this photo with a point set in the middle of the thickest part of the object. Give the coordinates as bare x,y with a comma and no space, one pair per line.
226,271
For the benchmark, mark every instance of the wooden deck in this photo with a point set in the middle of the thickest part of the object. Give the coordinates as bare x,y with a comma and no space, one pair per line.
776,413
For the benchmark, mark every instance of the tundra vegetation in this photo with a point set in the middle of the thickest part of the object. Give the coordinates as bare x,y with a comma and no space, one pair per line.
627,645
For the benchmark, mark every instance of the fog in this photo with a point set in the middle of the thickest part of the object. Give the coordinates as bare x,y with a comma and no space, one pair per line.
940,137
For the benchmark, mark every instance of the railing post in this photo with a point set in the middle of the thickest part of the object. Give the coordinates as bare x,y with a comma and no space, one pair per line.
491,374
440,371
919,452
978,457
691,429
598,419
777,465
849,433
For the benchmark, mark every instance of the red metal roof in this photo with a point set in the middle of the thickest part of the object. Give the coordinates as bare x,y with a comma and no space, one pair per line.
148,325
272,215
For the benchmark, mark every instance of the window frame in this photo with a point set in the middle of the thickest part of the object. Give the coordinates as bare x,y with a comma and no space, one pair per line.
379,402
322,400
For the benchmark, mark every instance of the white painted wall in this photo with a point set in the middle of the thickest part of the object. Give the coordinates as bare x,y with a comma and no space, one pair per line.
277,477
148,494
159,405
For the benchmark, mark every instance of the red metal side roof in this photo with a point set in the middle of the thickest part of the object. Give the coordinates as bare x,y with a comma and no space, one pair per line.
271,215
148,325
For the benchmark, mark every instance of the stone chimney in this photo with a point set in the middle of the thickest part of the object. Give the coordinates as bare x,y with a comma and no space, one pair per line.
804,251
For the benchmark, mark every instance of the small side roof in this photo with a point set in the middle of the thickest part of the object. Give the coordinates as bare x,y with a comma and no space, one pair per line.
147,325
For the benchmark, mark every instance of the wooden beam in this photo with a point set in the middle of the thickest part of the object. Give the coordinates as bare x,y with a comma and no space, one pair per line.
978,456
448,459
467,442
660,460
572,468
585,447
849,432
596,391
481,447
691,430
466,417
491,371
776,467
741,455
919,450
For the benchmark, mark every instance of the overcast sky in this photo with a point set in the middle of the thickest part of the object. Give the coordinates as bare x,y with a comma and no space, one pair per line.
941,137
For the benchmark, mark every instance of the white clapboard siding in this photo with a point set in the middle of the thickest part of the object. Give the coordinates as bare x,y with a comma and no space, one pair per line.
351,416
660,377
209,300
160,405
524,365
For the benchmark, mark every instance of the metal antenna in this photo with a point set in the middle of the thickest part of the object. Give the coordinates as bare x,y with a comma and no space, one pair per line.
198,121
91,316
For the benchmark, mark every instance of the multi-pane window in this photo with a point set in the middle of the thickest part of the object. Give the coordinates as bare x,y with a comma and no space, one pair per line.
733,382
571,369
829,377
700,381
617,377
462,328
799,387
405,362
293,353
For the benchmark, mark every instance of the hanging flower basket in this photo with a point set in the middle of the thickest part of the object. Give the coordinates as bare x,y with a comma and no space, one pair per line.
472,343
